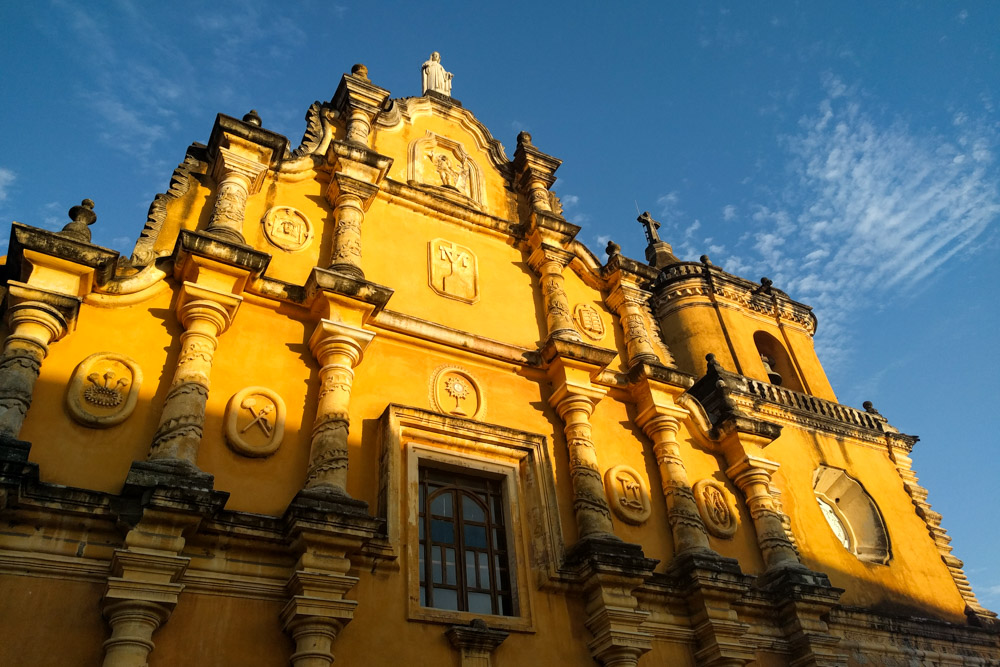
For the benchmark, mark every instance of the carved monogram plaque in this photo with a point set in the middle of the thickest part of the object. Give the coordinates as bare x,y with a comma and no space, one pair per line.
455,392
104,390
287,228
588,321
255,422
628,494
716,508
453,271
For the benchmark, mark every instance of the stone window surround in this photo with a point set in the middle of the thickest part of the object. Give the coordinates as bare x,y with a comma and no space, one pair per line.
857,512
413,437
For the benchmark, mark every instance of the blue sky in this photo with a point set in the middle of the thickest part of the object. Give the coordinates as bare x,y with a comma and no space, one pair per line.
848,150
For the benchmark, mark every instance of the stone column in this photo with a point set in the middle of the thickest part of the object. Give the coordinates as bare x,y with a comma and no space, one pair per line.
475,642
238,177
548,263
753,476
33,325
338,348
628,302
686,526
144,585
593,516
350,198
204,314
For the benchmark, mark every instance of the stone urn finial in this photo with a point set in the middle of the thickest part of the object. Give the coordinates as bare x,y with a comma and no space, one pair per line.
524,138
82,216
252,118
613,249
360,70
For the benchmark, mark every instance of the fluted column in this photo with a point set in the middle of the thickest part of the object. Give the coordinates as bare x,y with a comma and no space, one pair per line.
753,476
548,262
204,314
238,177
33,324
338,348
593,516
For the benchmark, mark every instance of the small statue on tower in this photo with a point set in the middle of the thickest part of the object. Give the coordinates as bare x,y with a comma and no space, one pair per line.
435,77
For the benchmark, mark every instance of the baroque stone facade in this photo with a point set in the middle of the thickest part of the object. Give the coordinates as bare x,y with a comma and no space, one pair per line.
370,398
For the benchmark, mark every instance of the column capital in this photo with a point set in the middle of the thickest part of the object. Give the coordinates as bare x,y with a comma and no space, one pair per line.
197,302
749,467
345,185
39,314
544,253
329,336
475,641
228,164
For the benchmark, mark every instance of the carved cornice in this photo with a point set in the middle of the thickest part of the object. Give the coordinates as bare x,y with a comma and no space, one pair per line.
271,144
228,163
23,237
679,282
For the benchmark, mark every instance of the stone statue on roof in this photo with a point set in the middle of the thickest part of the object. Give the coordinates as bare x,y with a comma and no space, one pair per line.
434,76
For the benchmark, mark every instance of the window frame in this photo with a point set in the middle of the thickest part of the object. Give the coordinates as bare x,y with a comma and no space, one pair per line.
412,436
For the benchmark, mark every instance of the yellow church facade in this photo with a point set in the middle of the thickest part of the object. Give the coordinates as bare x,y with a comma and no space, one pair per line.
369,398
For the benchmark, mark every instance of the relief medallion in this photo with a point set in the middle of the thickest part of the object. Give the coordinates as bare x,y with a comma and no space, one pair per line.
103,390
255,422
628,494
716,508
455,392
287,228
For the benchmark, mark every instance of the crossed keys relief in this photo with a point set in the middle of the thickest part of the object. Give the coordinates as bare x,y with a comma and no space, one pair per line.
255,422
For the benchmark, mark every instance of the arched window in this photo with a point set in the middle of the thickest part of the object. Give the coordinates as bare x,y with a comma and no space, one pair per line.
777,364
463,544
852,515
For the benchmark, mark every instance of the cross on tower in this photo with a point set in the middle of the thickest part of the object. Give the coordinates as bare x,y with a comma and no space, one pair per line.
650,226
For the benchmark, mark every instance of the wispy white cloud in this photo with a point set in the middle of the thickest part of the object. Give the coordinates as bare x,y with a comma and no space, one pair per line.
875,207
7,178
728,212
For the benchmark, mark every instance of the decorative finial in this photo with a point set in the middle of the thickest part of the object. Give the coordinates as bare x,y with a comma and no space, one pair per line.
713,364
870,409
252,118
765,286
649,226
434,78
360,70
705,260
82,216
523,138
613,249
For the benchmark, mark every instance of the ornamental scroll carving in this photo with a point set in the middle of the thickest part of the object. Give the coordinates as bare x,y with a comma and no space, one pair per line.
453,271
287,228
716,508
455,392
628,494
103,390
255,422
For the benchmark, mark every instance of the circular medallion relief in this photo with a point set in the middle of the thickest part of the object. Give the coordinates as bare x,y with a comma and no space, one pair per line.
716,508
627,494
588,321
455,392
255,422
104,390
287,228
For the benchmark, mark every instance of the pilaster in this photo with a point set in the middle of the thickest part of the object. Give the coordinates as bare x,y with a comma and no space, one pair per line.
242,153
475,643
548,262
655,389
570,367
213,274
48,274
608,572
324,534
